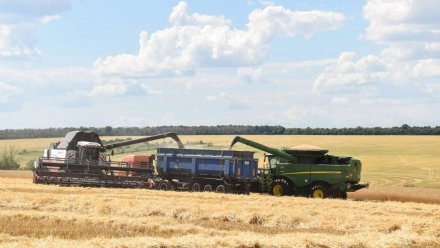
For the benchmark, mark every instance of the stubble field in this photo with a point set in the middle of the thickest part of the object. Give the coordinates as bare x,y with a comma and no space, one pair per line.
398,167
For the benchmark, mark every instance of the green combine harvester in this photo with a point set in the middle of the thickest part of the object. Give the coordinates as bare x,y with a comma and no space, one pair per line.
306,170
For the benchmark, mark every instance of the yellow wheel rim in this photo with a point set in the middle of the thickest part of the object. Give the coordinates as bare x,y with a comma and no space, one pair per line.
278,190
318,193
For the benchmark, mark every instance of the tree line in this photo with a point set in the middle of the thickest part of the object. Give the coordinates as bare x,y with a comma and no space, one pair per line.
219,130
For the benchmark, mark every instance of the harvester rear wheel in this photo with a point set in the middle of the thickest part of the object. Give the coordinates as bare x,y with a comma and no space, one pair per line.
207,188
220,189
280,187
319,191
338,194
196,187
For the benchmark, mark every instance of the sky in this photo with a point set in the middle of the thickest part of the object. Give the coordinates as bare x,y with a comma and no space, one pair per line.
302,63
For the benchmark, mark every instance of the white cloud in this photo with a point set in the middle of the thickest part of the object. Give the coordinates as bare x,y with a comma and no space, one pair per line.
7,92
405,70
179,17
195,41
393,20
19,22
410,28
150,91
64,86
250,74
228,100
271,72
220,96
65,76
109,90
49,18
347,75
427,68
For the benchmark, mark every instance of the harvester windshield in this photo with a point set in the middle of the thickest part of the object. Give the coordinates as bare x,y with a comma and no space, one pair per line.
89,151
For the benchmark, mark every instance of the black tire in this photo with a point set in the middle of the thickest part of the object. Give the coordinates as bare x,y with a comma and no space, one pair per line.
338,194
344,195
280,187
220,189
164,186
196,187
319,191
207,188
246,189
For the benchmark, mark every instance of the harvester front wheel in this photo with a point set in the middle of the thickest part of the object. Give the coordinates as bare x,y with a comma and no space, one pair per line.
319,191
280,187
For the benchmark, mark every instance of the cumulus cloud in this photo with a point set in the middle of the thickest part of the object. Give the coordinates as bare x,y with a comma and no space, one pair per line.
427,68
19,21
410,28
196,41
393,20
347,74
410,31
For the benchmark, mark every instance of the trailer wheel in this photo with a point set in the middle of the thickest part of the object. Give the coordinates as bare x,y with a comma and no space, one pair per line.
164,186
319,191
207,188
220,189
196,187
280,187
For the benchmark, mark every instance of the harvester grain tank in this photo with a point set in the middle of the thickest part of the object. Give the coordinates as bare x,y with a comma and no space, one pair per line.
82,159
308,170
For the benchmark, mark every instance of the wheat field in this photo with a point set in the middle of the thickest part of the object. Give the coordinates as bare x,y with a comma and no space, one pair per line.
51,216
393,212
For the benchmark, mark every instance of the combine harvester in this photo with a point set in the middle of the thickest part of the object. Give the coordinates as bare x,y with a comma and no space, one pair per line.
82,159
306,170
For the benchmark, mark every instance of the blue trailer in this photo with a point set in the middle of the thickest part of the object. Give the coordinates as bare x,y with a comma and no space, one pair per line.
206,170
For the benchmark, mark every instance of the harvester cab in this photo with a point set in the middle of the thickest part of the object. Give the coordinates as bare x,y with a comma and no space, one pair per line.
89,151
